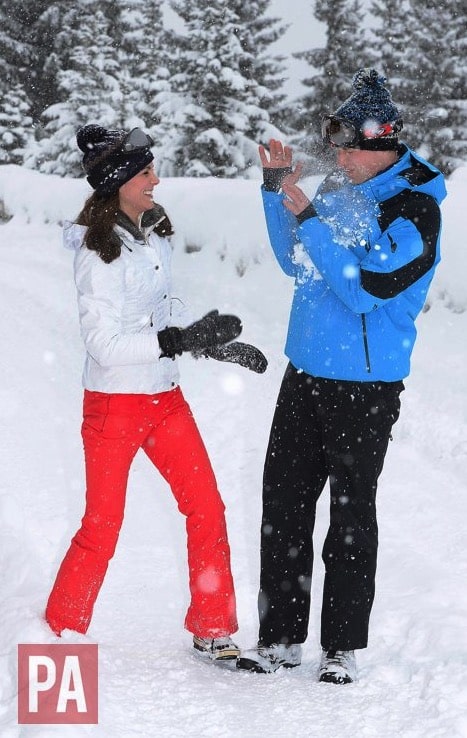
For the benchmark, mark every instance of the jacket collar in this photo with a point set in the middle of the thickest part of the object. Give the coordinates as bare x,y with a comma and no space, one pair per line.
124,222
148,222
409,172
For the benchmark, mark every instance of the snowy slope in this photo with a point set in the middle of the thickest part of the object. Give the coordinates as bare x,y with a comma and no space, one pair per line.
413,676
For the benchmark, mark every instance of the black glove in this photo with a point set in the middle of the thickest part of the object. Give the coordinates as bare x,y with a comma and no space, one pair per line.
274,176
244,354
306,213
211,330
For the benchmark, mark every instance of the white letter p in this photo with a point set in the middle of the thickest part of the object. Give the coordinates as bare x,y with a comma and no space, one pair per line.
35,686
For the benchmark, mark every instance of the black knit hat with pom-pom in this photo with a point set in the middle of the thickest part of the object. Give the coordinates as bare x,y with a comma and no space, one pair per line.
370,106
105,162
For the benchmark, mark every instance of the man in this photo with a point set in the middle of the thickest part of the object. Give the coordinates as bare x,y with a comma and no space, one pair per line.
362,255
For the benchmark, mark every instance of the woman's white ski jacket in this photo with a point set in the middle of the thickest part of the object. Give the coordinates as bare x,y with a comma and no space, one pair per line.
122,306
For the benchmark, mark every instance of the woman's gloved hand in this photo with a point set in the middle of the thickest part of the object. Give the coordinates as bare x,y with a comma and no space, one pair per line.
244,354
210,331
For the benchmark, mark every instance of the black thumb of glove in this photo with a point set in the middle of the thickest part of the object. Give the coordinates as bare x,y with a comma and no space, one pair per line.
244,354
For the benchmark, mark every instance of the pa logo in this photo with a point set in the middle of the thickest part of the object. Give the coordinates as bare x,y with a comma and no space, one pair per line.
57,684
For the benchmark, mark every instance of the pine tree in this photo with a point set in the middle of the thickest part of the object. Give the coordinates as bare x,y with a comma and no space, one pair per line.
144,67
16,130
439,77
337,62
205,84
426,73
430,79
454,145
389,39
88,90
217,109
256,31
41,22
15,52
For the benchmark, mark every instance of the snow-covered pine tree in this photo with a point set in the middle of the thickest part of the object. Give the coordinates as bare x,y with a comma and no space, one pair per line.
22,78
16,131
15,109
454,146
216,112
336,63
388,40
41,21
15,52
436,55
88,89
256,32
144,52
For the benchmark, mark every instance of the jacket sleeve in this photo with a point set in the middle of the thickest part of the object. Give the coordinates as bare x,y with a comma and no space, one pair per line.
100,301
404,252
282,230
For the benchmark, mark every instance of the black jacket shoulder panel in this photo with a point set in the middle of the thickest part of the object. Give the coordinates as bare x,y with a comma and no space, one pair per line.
424,212
418,173
409,204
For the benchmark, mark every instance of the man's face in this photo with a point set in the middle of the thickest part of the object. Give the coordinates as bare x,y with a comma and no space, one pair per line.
360,165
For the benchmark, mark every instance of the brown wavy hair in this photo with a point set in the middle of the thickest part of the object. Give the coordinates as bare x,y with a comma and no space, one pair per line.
100,216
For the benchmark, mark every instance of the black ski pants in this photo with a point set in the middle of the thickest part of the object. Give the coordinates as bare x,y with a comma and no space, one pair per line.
323,430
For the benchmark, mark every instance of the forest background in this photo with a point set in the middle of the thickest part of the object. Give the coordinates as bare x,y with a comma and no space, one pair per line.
211,85
210,80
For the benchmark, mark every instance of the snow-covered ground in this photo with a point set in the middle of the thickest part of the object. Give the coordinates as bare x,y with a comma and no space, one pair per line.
413,676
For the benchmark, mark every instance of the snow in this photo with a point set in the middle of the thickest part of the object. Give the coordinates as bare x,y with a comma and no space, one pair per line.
413,676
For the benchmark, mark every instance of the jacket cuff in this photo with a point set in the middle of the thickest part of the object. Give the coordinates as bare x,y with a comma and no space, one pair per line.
170,342
306,214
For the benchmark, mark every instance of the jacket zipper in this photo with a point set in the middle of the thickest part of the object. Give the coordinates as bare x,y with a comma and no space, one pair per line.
365,344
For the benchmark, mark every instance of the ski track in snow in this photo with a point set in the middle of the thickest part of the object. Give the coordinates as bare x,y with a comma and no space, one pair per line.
413,676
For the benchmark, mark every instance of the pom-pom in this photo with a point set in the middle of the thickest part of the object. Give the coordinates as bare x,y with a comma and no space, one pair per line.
88,136
367,77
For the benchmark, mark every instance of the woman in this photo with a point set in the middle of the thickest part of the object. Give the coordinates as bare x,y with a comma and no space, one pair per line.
132,397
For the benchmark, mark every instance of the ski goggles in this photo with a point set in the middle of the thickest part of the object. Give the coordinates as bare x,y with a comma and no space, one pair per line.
136,139
342,133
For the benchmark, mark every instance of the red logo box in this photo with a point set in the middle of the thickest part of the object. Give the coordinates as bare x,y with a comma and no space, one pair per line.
57,684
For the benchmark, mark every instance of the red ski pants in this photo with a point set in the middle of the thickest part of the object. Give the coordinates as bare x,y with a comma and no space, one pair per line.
114,427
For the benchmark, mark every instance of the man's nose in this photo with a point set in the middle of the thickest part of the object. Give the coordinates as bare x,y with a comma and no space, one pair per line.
341,157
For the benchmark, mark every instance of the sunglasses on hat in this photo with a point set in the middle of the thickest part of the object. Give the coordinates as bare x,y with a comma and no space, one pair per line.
342,133
136,139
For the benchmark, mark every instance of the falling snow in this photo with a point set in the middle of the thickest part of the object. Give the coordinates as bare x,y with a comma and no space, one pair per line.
413,676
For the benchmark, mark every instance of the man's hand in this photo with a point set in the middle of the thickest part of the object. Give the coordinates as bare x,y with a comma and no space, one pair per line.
278,174
296,201
278,156
277,165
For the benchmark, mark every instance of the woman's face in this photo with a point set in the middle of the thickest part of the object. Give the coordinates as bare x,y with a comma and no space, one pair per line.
135,196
